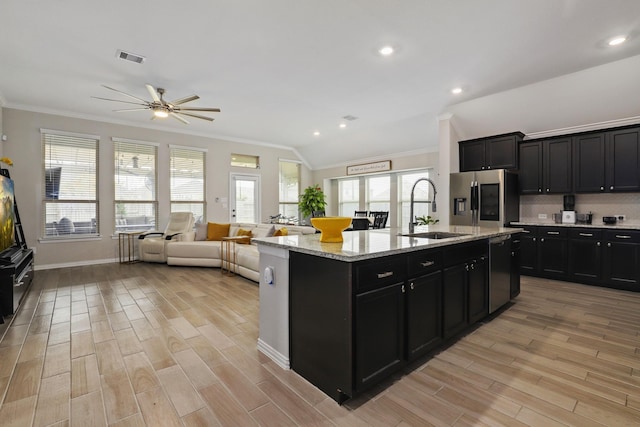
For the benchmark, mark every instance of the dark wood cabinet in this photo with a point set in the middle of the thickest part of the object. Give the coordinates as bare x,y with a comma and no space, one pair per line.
621,267
454,300
496,152
585,255
589,161
379,334
623,160
529,251
424,314
552,252
545,167
478,288
515,265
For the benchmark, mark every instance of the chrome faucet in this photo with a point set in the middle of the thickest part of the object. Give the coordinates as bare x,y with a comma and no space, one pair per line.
433,202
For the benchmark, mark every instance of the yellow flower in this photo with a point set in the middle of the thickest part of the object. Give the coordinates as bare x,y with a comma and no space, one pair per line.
6,161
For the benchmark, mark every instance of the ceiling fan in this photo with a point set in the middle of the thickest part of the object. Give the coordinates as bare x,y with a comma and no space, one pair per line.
162,108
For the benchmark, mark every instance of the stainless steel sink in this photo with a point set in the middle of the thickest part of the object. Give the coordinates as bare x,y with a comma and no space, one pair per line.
434,235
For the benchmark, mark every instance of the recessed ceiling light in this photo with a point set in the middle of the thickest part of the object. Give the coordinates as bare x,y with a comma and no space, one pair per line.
617,40
385,50
316,133
343,125
456,90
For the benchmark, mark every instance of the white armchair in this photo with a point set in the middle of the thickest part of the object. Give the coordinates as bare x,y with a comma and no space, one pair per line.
153,244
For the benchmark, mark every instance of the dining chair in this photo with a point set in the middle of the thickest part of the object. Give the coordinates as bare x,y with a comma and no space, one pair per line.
379,219
360,213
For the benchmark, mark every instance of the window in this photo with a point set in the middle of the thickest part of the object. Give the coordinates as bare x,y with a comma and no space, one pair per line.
245,161
378,193
135,200
421,196
70,203
289,189
187,181
348,196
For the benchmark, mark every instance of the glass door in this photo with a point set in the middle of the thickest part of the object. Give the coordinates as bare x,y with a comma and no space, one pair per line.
245,198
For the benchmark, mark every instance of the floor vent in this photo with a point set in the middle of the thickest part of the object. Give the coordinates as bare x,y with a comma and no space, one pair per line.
128,56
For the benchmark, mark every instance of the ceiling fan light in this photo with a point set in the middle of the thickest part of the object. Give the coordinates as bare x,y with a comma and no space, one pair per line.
160,113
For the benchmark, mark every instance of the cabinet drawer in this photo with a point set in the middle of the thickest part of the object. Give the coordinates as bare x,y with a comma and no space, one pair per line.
457,254
585,233
552,232
423,262
626,236
381,272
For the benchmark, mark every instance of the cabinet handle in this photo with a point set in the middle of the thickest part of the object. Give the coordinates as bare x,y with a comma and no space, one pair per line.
542,240
547,190
526,231
385,274
488,167
598,244
534,239
473,266
608,245
586,234
516,241
611,188
553,232
513,253
403,289
427,263
622,236
466,267
539,190
482,168
601,188
411,286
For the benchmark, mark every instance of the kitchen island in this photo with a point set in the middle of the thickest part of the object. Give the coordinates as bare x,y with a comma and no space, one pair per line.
347,315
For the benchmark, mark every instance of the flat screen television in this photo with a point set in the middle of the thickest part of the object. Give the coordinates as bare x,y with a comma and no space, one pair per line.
7,217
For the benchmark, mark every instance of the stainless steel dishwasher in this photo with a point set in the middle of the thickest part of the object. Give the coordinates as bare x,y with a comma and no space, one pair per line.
499,272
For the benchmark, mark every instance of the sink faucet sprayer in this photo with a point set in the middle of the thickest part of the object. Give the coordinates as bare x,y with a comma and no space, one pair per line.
433,202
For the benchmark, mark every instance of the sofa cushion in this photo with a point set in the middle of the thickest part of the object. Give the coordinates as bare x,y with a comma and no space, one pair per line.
263,231
194,250
201,231
217,231
249,257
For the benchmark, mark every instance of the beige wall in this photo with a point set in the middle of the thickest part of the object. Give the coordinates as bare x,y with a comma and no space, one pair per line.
24,148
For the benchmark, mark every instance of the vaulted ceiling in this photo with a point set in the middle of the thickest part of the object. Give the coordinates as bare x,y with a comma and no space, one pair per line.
281,70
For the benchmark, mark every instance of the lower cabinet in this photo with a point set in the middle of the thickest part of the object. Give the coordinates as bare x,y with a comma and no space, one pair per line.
621,266
585,255
529,251
478,288
454,301
515,265
379,334
552,252
424,314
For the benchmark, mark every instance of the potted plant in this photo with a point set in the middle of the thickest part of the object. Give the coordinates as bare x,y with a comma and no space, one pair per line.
312,201
426,220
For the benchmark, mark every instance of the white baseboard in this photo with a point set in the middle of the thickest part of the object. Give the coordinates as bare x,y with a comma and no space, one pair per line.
280,359
38,267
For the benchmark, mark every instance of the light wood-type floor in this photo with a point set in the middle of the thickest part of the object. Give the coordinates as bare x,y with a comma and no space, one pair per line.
147,344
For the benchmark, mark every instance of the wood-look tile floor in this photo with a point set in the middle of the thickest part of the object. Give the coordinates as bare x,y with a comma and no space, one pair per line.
146,344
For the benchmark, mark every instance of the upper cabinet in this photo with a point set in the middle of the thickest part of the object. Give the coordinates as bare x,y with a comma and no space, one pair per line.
607,161
545,166
497,152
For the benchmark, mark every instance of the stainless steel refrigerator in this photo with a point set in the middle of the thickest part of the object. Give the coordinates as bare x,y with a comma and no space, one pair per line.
485,198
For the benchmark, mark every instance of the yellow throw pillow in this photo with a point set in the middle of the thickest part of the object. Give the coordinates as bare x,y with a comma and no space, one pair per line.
281,232
217,231
246,233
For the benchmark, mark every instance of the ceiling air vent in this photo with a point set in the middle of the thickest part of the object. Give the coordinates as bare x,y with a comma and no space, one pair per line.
350,117
128,56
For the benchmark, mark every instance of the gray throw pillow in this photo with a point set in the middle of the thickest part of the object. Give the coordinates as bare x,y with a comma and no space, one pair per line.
201,231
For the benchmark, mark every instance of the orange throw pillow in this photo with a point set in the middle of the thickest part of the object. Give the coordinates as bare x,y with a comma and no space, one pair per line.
246,233
281,232
217,231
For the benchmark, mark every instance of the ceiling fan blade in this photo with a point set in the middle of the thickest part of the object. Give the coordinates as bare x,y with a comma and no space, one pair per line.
212,110
179,118
119,100
197,116
153,93
130,109
126,94
184,100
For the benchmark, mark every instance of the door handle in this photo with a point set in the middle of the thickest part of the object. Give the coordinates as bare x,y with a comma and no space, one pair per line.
427,263
385,274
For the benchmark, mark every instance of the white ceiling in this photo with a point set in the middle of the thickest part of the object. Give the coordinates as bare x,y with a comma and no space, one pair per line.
282,69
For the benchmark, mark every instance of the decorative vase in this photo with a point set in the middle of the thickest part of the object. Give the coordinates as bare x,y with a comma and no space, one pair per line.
331,227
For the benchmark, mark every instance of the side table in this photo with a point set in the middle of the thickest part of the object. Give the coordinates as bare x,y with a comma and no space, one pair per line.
228,254
126,246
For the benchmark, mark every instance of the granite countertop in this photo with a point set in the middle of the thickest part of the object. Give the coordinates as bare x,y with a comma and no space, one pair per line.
620,225
367,244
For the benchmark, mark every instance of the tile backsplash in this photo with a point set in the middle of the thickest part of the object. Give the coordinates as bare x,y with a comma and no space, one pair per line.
605,204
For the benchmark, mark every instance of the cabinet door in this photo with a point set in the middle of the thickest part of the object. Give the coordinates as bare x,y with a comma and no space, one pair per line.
621,266
552,253
585,257
529,252
472,156
478,290
501,153
379,334
623,160
454,300
530,177
588,158
557,166
515,266
424,314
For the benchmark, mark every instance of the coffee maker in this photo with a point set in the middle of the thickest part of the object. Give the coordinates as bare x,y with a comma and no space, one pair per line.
568,209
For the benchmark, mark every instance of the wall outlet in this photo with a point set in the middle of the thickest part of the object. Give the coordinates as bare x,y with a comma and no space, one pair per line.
542,216
621,217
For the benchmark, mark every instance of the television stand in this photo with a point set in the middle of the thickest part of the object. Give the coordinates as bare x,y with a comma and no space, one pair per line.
16,275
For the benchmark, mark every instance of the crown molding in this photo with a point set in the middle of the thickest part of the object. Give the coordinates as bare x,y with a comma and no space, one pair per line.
584,128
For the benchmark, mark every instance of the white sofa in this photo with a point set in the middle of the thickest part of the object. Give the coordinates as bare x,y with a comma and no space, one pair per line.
207,253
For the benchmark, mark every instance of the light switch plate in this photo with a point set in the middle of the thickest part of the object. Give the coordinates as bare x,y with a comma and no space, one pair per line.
542,216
